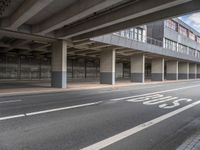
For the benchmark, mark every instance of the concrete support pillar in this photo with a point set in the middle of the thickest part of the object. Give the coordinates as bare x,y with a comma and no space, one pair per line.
172,70
59,64
198,70
107,67
183,70
157,69
192,71
137,68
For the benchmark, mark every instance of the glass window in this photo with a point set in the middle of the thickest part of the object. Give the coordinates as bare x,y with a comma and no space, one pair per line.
192,51
197,54
182,30
171,24
139,34
198,39
182,49
191,36
132,33
169,44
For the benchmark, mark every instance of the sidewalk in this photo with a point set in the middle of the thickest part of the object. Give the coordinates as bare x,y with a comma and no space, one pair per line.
8,88
193,143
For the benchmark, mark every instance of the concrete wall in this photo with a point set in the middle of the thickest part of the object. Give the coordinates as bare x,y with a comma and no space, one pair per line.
198,71
24,67
78,68
172,70
155,30
183,70
119,70
158,30
31,68
144,47
82,68
175,36
192,71
157,70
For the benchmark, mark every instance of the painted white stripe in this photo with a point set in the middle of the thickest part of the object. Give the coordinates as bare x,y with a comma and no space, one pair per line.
62,108
11,101
132,131
12,117
176,89
48,111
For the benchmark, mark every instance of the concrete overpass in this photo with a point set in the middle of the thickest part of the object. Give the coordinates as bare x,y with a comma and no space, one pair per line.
65,19
33,25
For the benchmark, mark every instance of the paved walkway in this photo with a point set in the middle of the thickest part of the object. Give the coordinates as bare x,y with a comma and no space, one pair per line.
193,143
13,87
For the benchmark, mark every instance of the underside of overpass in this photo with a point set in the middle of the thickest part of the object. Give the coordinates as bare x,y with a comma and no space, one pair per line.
50,39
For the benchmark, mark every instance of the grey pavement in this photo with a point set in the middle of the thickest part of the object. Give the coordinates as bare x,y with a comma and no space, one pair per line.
72,120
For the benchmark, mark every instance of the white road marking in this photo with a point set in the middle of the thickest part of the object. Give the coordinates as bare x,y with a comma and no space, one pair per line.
145,98
10,101
12,117
62,108
159,99
120,136
164,91
48,111
174,103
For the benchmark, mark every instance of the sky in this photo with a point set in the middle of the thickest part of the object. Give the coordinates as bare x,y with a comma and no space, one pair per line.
192,20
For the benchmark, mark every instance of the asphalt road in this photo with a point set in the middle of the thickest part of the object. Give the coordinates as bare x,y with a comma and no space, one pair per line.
143,117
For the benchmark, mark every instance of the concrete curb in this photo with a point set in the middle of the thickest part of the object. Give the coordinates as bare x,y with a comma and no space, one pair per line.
46,91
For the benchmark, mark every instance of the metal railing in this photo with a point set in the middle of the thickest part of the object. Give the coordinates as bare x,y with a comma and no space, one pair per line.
142,38
153,41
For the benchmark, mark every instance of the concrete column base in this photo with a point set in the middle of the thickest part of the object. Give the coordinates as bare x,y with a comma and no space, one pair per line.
59,79
171,76
157,77
107,78
182,76
137,77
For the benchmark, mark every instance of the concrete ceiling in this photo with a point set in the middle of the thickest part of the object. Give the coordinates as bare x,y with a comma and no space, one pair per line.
53,8
32,25
9,9
64,19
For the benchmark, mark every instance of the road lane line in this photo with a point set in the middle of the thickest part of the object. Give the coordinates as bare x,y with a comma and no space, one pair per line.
62,108
48,111
12,117
164,91
10,101
120,136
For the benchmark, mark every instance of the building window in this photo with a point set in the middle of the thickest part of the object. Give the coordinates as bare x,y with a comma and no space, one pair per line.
171,24
169,44
182,30
182,49
197,54
198,39
192,51
132,33
191,36
139,34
